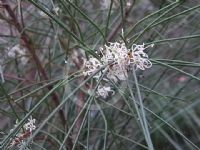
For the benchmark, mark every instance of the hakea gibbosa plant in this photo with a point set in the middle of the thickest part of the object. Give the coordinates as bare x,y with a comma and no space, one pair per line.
25,132
118,59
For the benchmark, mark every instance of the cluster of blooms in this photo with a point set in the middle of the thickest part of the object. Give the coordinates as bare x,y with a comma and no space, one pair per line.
24,133
18,51
119,59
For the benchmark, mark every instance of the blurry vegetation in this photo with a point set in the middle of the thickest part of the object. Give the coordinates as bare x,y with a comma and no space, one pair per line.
43,44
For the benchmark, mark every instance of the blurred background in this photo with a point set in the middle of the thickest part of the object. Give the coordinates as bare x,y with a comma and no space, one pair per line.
42,47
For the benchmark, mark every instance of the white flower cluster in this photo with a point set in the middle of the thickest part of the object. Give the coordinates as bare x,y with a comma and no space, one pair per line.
23,135
30,125
139,58
18,51
119,59
92,66
116,54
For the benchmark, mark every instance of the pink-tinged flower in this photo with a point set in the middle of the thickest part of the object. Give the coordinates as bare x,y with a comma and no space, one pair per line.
22,136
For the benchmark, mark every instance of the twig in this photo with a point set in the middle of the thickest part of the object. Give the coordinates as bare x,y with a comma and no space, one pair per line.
29,45
120,23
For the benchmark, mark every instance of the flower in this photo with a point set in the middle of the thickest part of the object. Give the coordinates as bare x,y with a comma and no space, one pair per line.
22,136
139,58
56,10
18,51
116,54
128,4
30,125
103,91
119,60
14,50
91,66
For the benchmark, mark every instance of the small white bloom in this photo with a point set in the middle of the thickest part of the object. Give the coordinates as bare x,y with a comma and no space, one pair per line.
91,66
30,124
12,51
116,54
139,58
24,60
128,4
104,90
56,10
18,51
21,137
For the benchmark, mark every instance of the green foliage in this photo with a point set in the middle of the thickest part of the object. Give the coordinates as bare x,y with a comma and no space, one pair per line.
155,108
